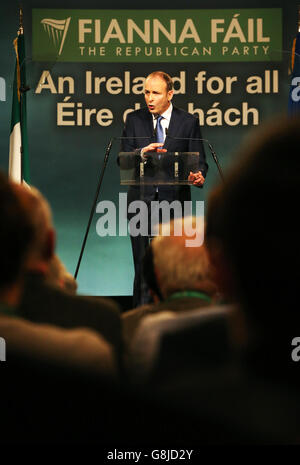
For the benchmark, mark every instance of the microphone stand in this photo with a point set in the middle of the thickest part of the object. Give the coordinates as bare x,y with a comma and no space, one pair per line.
213,154
107,152
105,161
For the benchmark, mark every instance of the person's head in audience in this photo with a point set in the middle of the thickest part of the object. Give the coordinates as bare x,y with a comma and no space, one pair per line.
41,257
23,218
252,233
16,234
39,213
177,265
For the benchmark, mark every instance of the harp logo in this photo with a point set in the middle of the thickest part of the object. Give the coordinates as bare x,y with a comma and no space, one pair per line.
57,31
2,350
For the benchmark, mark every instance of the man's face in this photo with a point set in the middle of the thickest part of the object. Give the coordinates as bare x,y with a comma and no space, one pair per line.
156,95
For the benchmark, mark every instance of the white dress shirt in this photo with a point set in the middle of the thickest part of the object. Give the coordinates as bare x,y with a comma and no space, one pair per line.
165,120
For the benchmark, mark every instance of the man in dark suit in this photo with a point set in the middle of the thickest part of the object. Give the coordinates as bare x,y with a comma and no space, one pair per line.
154,129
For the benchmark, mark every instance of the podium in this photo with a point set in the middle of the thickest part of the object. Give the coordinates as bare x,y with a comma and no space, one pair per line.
147,177
157,168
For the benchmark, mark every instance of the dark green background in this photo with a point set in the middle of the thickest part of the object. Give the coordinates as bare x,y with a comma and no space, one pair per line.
66,161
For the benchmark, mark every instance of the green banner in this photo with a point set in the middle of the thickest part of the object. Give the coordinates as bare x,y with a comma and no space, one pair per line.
234,35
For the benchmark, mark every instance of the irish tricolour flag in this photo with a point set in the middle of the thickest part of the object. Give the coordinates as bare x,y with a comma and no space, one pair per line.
18,144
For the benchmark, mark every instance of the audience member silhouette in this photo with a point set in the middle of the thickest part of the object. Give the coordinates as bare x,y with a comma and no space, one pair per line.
177,273
253,244
44,302
46,366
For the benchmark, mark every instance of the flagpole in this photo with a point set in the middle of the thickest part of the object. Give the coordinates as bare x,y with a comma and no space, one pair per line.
22,89
18,147
21,31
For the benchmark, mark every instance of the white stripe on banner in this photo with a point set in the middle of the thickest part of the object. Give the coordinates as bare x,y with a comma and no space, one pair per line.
14,169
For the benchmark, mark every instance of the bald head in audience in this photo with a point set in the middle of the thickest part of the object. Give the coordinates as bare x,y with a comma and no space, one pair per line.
39,213
41,257
16,235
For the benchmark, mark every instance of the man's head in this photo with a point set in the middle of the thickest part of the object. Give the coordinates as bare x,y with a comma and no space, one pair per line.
158,92
39,214
178,267
16,233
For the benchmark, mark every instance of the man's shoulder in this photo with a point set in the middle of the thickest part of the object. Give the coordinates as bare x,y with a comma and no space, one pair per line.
142,310
142,113
37,290
131,320
183,114
87,303
105,303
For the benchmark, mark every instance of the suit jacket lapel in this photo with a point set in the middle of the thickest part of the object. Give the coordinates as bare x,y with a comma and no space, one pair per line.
149,130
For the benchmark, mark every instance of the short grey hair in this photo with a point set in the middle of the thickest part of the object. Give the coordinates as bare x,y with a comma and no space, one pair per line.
179,267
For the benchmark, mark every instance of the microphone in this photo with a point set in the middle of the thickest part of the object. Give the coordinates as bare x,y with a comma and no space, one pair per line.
213,153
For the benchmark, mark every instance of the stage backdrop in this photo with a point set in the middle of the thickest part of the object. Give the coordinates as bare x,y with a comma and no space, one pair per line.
85,69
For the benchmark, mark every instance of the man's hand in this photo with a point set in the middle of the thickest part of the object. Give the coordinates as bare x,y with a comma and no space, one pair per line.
154,147
196,178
